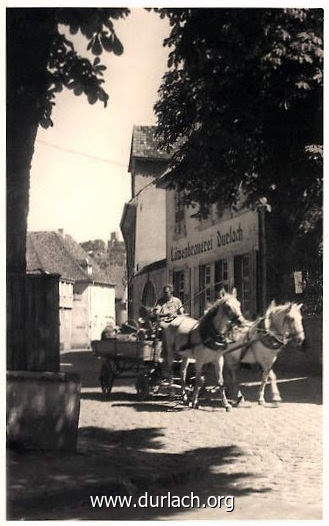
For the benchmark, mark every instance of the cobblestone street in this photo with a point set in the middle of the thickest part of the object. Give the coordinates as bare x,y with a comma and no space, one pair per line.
269,458
265,456
165,244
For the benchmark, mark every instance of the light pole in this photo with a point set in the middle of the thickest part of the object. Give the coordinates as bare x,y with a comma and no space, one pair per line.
263,206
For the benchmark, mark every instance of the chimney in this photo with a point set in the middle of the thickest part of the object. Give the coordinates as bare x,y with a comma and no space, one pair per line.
61,231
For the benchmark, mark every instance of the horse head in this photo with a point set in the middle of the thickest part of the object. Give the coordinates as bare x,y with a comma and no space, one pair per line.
294,321
286,321
226,309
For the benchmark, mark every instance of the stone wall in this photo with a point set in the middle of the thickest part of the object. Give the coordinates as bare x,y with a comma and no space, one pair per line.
42,410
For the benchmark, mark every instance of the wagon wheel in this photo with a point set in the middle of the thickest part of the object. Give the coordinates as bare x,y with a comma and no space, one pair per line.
143,386
106,378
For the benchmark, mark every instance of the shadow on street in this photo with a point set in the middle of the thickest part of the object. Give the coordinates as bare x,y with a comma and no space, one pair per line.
126,462
295,386
305,390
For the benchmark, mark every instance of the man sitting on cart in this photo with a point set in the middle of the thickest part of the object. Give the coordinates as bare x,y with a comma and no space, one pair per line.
166,309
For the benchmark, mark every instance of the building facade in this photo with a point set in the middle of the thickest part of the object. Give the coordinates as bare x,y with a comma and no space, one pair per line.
111,258
147,286
86,296
200,251
143,222
167,242
220,249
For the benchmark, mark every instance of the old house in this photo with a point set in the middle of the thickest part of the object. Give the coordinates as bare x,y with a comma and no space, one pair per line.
200,250
86,296
111,258
143,222
208,251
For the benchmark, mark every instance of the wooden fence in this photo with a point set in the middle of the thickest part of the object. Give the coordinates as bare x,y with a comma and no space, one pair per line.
33,322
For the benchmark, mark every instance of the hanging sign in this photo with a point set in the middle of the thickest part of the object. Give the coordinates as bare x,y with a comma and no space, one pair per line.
298,279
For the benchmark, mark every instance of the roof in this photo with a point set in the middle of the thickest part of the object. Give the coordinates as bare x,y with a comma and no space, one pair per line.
161,263
145,146
51,252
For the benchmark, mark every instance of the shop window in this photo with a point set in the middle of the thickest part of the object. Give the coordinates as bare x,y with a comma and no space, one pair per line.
149,296
179,285
179,214
205,287
221,276
242,280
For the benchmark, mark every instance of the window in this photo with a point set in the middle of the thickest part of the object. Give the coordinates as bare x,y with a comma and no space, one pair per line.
179,285
179,213
242,281
221,276
205,286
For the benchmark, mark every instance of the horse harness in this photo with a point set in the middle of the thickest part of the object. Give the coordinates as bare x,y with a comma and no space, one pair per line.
214,340
219,341
268,338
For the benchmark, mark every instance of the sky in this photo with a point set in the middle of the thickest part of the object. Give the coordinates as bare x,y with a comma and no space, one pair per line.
84,192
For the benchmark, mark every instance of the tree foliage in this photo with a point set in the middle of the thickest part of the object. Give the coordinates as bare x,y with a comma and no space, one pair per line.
66,68
41,61
244,88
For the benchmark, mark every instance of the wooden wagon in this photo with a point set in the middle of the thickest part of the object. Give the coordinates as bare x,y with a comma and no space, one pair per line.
125,353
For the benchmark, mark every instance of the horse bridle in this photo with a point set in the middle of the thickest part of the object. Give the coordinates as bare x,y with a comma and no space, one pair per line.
237,319
282,338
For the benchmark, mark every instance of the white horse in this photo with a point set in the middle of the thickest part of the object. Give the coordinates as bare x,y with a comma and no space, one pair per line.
203,341
267,336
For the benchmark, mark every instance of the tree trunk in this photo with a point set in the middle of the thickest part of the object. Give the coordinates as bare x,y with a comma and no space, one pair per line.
30,33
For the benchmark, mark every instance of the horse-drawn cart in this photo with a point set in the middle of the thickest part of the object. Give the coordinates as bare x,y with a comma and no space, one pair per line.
127,353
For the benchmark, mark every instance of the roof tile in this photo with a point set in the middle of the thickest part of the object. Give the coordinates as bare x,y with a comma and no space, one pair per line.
54,253
145,145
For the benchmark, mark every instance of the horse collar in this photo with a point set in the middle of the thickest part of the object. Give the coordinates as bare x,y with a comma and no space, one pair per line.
271,339
211,338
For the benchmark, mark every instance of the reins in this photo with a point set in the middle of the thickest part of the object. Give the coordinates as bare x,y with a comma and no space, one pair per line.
265,332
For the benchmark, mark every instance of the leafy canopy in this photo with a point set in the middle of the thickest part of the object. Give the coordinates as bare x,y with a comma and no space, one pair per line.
66,68
244,88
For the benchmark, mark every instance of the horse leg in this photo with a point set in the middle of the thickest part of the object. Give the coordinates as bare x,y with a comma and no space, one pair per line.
237,395
168,356
276,397
261,397
219,367
197,386
183,371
